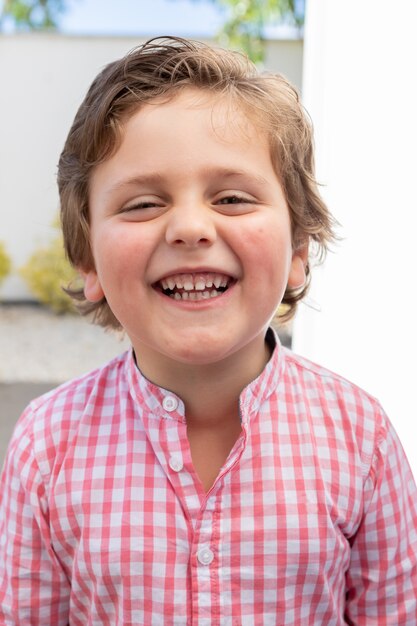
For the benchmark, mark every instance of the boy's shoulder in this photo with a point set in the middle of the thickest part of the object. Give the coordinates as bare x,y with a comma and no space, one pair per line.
312,372
54,417
74,392
327,391
335,410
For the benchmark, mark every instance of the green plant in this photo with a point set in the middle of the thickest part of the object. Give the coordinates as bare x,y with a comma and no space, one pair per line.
46,273
5,263
33,14
246,22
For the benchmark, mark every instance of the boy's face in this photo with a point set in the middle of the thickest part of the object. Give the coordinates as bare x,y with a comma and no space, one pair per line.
190,232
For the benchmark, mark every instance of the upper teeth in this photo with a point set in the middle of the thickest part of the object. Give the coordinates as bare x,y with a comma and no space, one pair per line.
198,282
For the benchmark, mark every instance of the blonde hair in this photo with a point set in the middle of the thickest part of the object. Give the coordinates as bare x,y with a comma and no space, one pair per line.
159,68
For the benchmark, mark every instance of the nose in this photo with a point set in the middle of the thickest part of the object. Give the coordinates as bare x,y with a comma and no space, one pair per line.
191,226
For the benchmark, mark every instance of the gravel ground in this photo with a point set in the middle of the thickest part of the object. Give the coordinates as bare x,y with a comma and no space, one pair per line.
38,346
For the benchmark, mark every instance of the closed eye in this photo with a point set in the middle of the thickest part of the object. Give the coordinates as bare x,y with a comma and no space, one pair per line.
141,205
235,204
143,210
234,199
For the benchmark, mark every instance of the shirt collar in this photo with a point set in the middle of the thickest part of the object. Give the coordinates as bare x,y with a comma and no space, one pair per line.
260,389
150,397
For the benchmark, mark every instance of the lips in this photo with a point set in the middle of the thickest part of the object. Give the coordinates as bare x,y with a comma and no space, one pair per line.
194,286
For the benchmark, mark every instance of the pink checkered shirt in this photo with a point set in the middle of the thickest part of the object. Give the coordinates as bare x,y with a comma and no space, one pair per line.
311,521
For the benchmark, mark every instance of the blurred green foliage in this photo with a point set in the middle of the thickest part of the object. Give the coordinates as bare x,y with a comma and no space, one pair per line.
33,14
246,20
5,263
46,273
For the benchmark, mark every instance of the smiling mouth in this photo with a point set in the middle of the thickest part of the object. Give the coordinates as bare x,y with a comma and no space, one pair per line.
194,287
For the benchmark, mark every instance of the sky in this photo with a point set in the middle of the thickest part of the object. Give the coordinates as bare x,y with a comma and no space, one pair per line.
193,18
142,17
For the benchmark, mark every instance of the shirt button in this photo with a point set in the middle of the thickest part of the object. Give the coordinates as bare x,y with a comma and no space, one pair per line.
205,556
175,463
170,403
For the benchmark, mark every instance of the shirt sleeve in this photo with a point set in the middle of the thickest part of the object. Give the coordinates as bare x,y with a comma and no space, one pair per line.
33,587
382,577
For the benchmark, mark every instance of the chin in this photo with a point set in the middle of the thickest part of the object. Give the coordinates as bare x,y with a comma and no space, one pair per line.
201,352
198,357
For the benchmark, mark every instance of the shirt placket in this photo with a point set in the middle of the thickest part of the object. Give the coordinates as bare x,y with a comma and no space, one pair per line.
167,433
204,564
205,561
202,512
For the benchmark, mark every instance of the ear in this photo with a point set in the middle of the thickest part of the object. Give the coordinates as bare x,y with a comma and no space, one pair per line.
297,276
93,291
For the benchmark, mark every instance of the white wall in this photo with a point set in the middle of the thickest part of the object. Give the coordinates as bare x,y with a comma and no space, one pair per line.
360,86
43,79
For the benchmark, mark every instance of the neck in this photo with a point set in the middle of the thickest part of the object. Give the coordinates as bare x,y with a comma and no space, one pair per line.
211,391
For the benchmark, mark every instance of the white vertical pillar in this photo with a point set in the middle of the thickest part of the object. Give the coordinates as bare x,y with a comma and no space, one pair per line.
360,87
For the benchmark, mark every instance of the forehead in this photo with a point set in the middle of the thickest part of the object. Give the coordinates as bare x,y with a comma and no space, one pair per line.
194,129
228,115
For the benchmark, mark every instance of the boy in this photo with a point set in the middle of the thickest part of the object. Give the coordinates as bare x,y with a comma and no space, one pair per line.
208,476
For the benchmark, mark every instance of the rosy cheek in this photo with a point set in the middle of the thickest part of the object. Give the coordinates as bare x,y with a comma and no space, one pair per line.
266,246
108,252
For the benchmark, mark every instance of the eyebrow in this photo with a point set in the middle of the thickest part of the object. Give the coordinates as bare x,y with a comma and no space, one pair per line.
145,179
158,178
226,173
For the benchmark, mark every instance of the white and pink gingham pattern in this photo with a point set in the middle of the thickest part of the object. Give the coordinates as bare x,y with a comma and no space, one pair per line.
311,521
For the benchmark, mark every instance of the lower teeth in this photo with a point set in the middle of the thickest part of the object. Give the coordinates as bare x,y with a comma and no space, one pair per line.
195,295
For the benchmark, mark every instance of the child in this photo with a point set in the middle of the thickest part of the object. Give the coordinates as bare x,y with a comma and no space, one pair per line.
208,476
